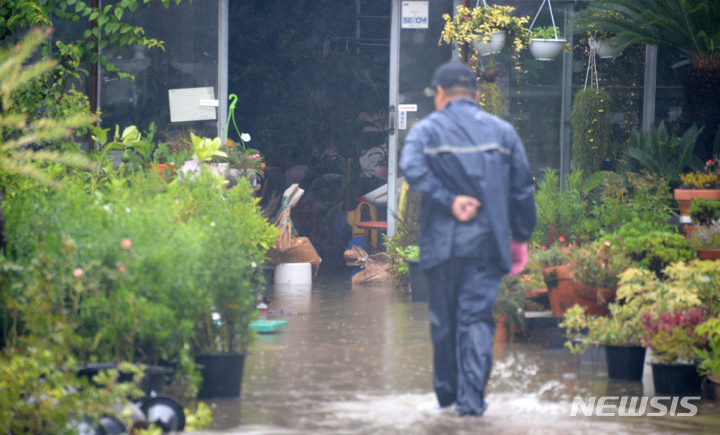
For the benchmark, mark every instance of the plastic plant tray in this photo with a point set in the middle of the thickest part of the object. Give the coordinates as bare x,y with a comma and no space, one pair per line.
268,326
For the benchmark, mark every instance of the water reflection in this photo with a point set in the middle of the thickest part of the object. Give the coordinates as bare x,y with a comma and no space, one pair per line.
357,360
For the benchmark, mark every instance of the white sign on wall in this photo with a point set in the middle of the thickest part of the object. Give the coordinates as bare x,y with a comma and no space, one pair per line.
414,15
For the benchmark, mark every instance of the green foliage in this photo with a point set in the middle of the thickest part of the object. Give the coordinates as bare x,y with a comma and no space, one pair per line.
705,237
660,153
709,355
707,177
703,211
622,327
548,32
623,199
405,240
597,265
592,141
469,25
18,133
650,247
560,212
544,257
687,285
511,300
491,98
690,27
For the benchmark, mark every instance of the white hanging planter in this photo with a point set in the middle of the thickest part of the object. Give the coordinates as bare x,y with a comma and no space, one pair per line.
546,49
491,47
603,49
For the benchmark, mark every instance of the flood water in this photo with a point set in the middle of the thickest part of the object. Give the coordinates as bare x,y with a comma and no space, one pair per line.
357,360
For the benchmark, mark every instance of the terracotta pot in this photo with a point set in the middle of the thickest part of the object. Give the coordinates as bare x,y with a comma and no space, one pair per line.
716,386
685,196
162,167
594,300
708,254
501,329
559,282
564,292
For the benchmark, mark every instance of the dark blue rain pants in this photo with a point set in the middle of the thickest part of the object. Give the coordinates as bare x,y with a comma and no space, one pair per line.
462,328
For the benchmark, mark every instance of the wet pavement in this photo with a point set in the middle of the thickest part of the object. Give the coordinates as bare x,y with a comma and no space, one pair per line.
357,360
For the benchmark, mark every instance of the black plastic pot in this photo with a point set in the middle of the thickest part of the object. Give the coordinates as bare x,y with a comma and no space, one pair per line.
156,377
419,284
269,273
676,380
625,362
222,374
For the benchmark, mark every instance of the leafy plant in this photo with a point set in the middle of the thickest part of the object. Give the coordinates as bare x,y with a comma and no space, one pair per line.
622,327
597,265
652,248
18,133
661,153
633,197
706,178
671,335
689,28
547,32
705,237
703,211
511,300
478,23
708,356
544,257
561,211
490,98
592,141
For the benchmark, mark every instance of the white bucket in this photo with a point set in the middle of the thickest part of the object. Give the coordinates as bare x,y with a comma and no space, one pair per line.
293,273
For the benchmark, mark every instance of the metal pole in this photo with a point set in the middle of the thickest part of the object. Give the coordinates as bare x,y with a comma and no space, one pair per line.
223,30
392,116
649,86
566,103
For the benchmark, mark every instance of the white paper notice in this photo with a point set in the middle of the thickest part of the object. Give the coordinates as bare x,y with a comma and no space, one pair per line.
414,15
190,104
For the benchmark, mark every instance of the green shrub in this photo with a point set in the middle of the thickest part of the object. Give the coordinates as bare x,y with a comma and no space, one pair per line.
591,130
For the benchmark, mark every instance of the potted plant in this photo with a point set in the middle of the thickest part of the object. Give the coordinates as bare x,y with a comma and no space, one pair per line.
662,153
604,48
672,338
592,140
619,332
419,284
235,240
241,161
706,242
545,44
699,184
509,309
562,211
558,276
597,267
708,356
487,28
672,307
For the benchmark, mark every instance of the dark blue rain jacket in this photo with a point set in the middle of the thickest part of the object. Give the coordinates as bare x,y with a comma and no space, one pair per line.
463,150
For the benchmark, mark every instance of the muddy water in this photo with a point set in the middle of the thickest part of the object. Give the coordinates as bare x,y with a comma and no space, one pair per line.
357,360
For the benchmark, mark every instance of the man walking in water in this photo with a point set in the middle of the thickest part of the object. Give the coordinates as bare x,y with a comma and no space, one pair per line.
478,211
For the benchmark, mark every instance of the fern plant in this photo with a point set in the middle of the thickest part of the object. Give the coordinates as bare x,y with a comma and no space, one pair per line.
662,153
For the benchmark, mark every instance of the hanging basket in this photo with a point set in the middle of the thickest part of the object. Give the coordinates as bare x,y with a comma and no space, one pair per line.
546,49
603,49
493,46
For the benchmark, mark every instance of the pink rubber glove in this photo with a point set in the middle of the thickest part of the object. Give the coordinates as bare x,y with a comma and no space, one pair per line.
518,251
